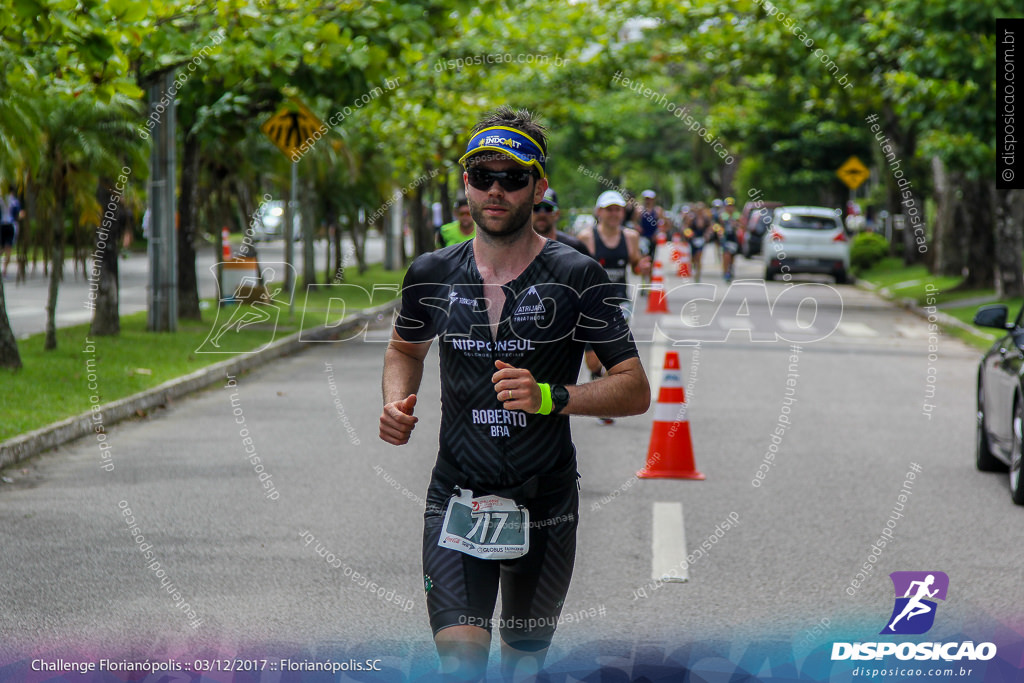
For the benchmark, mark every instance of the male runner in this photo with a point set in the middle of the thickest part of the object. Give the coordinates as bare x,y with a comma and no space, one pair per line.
652,218
615,248
508,367
729,219
697,227
545,220
459,230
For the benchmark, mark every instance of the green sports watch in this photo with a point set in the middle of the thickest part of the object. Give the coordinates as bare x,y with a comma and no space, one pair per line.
559,398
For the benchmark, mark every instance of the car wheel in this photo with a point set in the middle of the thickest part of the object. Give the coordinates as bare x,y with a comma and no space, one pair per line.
842,278
769,274
983,458
1016,480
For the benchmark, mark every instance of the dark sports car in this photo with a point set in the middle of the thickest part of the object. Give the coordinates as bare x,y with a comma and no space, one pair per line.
1000,437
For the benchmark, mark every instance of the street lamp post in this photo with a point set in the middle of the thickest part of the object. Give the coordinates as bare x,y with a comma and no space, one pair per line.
163,244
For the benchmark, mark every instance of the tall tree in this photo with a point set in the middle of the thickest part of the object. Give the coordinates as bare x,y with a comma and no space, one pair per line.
1009,238
80,139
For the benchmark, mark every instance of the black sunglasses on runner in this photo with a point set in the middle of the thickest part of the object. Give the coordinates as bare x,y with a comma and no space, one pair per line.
543,208
510,181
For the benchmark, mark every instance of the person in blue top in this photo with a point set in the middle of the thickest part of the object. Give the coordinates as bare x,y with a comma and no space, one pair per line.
651,219
10,212
507,309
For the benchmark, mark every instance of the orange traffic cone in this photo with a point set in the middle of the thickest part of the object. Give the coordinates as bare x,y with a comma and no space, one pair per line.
670,453
657,302
684,262
226,244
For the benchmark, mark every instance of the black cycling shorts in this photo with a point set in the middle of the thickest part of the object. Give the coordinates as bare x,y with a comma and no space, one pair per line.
6,234
463,590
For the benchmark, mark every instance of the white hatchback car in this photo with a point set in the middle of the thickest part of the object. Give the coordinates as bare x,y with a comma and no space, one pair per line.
268,223
806,239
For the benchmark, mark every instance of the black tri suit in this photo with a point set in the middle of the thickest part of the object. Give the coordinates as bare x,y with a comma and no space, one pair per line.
556,306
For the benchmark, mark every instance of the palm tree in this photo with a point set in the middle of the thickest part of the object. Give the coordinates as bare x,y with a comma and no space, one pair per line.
83,140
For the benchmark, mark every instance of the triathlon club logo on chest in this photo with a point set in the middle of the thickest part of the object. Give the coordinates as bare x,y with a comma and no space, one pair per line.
530,307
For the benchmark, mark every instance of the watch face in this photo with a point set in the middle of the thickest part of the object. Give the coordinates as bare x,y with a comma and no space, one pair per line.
559,397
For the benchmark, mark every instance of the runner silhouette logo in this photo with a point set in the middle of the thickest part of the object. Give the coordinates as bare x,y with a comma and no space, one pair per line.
917,594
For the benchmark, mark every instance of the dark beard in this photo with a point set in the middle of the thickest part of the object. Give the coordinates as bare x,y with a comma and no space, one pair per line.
515,222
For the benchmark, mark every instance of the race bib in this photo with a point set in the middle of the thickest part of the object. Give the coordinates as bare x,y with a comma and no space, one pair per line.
488,527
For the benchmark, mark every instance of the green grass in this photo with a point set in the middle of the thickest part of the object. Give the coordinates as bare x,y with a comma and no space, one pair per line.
966,314
53,385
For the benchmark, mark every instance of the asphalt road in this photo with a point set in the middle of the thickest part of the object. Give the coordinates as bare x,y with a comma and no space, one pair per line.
280,574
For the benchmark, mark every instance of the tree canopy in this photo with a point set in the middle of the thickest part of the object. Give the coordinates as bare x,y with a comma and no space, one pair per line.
697,99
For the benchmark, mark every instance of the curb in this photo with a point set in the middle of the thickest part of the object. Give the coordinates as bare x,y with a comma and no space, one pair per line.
944,319
25,446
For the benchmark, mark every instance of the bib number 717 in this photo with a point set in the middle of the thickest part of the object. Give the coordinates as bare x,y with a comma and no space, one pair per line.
483,523
488,527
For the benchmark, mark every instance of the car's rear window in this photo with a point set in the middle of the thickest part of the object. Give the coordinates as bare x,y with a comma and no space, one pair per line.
797,221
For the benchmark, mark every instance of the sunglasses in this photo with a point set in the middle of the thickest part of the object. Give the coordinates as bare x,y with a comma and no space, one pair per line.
543,208
510,181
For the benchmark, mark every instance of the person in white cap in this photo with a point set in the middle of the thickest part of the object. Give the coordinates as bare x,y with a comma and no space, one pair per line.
615,248
651,220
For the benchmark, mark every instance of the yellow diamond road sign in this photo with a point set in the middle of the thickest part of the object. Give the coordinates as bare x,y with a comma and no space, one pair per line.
853,173
292,126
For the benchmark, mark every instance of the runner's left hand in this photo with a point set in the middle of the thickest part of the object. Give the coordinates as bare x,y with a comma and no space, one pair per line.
525,394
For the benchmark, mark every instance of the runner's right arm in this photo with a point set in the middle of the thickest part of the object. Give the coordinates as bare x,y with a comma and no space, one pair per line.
403,371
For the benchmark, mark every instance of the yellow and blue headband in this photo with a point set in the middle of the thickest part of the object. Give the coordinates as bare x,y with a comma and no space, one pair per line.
514,144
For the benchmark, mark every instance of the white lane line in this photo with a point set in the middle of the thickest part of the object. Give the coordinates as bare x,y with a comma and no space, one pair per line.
912,331
734,323
852,329
74,318
668,541
20,311
794,327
